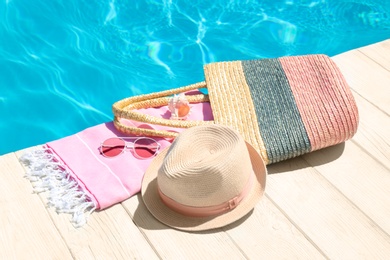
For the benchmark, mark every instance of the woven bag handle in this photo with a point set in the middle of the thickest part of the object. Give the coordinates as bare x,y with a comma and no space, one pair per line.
126,108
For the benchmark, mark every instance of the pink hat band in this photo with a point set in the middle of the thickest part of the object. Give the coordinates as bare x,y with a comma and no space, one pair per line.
209,210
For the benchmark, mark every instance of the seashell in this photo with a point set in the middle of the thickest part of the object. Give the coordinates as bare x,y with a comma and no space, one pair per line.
182,110
179,106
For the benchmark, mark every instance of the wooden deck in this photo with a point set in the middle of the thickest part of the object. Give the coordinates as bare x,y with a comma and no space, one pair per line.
330,204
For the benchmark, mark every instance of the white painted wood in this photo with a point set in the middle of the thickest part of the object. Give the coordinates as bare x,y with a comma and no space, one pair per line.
368,78
268,234
109,234
360,178
27,231
173,244
373,133
378,52
264,233
329,219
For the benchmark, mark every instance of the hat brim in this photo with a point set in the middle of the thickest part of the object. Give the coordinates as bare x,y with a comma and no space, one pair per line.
176,220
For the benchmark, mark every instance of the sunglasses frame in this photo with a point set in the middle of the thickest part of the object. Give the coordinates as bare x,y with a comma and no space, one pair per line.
128,145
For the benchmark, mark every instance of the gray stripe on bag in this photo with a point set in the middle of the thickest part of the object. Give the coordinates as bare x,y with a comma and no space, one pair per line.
279,120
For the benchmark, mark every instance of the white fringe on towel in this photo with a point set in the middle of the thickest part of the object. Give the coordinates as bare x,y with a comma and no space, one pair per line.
47,173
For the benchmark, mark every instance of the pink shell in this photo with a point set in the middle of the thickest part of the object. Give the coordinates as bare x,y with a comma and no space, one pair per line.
182,109
179,107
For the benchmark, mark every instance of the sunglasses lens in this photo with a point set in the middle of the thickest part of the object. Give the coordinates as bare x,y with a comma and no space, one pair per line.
112,147
146,148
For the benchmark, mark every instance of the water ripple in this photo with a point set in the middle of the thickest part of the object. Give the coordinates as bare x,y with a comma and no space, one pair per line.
111,13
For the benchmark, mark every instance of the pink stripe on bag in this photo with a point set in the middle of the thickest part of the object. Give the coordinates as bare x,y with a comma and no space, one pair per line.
323,98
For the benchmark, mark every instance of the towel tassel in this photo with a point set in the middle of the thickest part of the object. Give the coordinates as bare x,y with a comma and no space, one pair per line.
47,173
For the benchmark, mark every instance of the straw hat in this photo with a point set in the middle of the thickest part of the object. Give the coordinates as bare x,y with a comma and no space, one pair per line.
208,178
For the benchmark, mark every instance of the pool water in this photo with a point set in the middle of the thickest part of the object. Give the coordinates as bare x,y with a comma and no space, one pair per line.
63,63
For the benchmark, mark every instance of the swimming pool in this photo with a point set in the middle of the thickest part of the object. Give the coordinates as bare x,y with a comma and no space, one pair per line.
63,63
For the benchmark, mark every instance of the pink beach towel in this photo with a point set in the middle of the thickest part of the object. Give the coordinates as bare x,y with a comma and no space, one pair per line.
79,180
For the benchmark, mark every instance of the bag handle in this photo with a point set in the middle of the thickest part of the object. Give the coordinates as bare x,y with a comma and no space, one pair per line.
126,108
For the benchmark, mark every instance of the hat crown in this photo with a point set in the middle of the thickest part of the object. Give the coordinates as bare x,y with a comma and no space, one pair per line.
205,166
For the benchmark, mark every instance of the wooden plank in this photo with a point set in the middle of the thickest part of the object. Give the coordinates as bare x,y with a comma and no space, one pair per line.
108,234
268,234
374,127
359,177
27,231
379,52
373,133
369,79
334,224
173,244
264,233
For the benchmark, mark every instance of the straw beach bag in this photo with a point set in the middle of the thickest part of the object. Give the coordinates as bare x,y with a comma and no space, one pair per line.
284,107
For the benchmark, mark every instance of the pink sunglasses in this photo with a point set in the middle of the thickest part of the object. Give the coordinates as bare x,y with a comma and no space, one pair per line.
143,147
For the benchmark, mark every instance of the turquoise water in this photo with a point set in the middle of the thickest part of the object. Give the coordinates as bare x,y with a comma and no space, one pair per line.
63,63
